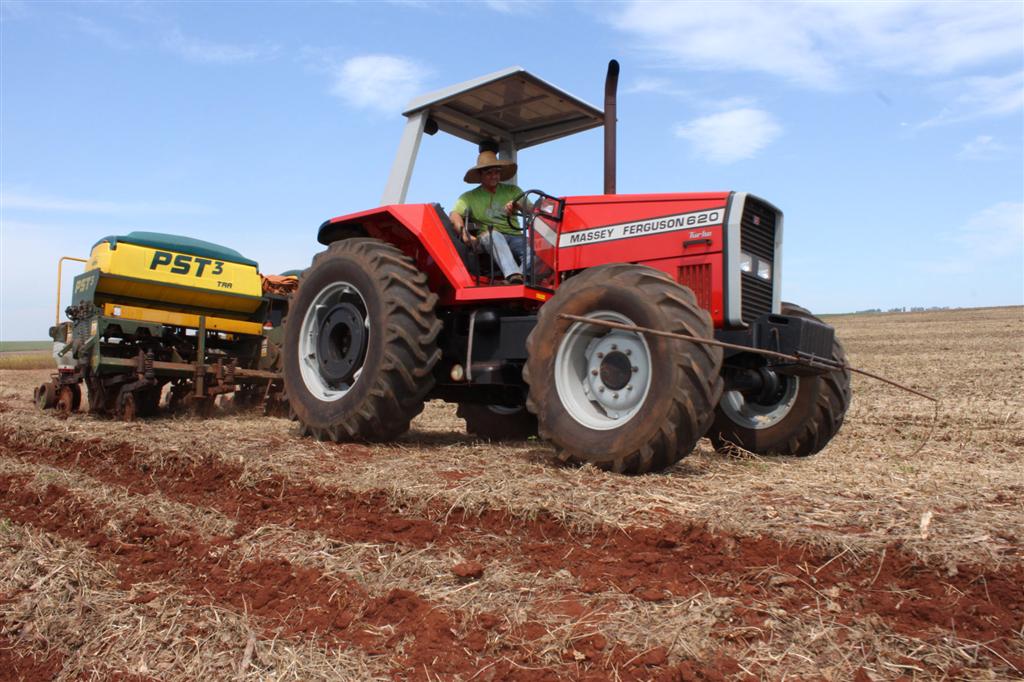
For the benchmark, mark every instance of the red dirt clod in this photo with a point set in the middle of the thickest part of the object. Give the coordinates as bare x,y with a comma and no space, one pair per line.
488,621
469,570
652,594
143,598
18,664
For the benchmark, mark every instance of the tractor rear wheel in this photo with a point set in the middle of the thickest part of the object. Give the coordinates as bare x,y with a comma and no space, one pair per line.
495,422
360,343
798,420
617,399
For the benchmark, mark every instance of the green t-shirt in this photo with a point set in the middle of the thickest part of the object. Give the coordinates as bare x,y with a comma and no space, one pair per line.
489,209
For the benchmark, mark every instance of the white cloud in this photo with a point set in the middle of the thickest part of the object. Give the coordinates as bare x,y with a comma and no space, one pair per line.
713,36
993,234
995,231
981,148
730,136
813,44
36,202
931,38
649,84
104,34
511,6
659,86
378,81
979,97
196,50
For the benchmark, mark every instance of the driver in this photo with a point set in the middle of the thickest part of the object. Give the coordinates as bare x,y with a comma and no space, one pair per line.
489,205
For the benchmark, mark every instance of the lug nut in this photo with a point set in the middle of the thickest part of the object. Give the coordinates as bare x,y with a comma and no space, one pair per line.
614,347
629,352
629,388
593,372
615,395
635,369
600,355
600,389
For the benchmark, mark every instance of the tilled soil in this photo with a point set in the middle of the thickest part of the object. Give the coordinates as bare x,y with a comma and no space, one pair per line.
175,549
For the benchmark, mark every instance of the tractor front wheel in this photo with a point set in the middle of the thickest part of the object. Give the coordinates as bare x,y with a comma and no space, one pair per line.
618,399
360,343
797,420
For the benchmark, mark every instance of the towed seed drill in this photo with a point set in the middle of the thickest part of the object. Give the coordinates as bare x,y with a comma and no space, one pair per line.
155,310
398,310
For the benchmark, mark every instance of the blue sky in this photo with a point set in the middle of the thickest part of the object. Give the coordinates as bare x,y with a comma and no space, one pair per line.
891,134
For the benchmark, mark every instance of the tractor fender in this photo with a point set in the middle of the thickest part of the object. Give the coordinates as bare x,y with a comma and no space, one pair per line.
421,231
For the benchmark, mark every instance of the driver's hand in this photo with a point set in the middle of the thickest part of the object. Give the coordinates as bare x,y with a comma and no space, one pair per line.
509,208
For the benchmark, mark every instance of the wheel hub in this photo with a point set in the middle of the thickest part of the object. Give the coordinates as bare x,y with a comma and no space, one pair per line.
602,378
333,341
619,366
765,409
340,343
616,370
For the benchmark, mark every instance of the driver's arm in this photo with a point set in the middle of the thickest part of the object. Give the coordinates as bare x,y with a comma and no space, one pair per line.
460,227
523,203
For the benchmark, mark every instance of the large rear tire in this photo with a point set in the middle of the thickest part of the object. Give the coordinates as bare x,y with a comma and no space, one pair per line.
360,343
797,421
620,400
494,422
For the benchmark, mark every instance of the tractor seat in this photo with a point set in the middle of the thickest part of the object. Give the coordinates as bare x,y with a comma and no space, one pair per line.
478,264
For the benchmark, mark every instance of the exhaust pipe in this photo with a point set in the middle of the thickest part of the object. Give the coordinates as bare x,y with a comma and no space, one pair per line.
611,84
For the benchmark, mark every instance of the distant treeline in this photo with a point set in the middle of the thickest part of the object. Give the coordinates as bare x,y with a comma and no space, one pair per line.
914,309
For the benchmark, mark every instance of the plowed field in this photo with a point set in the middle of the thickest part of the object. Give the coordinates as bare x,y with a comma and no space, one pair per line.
229,548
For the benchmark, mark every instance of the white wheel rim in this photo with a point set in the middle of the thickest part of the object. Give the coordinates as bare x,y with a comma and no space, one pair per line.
752,415
579,379
309,364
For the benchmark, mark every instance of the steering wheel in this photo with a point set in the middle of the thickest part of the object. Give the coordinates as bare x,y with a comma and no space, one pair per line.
518,210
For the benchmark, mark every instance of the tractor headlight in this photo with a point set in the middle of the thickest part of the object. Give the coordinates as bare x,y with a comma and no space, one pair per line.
746,262
764,269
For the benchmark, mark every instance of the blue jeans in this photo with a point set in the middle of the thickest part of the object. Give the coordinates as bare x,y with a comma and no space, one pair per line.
517,243
499,246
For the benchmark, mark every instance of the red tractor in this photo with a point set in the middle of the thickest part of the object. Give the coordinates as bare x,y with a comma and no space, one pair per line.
397,310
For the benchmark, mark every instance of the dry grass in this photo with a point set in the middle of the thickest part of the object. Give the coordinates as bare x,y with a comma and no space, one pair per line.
71,603
27,360
968,475
957,500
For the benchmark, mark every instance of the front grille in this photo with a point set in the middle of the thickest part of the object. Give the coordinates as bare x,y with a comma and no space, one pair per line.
698,278
756,297
757,237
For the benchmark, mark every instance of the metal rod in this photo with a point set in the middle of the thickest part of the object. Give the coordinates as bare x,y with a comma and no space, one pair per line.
469,346
189,368
812,361
200,379
60,267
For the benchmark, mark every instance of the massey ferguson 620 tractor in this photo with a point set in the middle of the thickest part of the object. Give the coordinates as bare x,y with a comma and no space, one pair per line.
398,310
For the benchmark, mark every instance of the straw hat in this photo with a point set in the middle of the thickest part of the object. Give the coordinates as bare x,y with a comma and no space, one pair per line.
489,159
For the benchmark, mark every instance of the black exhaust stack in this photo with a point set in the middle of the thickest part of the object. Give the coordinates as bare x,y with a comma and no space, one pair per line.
611,84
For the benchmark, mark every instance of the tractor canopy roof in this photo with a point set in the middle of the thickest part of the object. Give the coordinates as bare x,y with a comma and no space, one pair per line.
511,108
510,105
